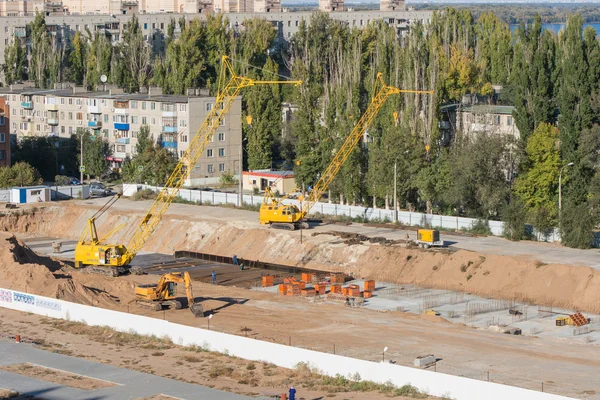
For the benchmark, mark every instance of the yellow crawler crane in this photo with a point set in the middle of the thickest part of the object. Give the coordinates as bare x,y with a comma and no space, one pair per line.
113,259
285,216
163,294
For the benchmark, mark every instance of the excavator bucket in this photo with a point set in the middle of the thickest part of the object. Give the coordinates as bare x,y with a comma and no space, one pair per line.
197,310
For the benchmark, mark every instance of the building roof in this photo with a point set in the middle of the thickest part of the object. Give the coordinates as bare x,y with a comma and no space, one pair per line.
489,109
98,94
267,173
30,187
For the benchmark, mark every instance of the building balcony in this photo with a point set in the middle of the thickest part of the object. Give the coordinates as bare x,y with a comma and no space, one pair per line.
95,124
53,121
121,126
94,109
20,32
172,145
118,157
28,105
169,129
169,114
123,140
51,107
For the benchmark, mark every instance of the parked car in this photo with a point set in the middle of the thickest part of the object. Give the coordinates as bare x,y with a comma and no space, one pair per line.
73,181
98,189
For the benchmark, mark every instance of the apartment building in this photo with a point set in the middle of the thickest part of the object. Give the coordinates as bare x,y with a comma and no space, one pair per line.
118,117
331,5
490,119
4,134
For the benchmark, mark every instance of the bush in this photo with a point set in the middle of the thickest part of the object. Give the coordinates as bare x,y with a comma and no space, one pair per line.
577,224
146,194
514,216
61,180
227,178
481,227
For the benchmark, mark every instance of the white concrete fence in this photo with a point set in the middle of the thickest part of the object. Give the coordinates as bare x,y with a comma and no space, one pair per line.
433,383
56,193
370,214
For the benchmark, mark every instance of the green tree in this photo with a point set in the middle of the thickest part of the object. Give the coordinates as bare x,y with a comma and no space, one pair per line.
577,226
15,62
132,58
538,186
77,58
20,174
514,216
95,151
156,162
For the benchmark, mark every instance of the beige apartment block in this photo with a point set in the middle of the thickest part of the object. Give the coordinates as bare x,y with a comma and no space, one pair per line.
331,5
118,117
14,8
392,5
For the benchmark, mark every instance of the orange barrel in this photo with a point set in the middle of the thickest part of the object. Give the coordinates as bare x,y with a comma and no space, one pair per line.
18,338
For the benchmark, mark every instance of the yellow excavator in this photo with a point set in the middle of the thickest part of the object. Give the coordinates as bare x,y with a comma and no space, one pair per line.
113,259
286,216
163,294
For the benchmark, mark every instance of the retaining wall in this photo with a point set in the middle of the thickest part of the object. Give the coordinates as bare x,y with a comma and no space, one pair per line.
437,384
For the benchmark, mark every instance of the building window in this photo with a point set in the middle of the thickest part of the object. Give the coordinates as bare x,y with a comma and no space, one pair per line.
79,116
70,102
221,167
152,105
2,137
134,119
70,130
153,25
14,111
209,106
152,121
70,115
145,25
509,121
133,104
2,121
496,120
222,123
221,137
184,138
183,107
62,115
134,134
297,23
209,153
143,105
121,148
181,153
182,123
144,120
37,127
211,168
62,101
222,152
105,131
14,125
2,154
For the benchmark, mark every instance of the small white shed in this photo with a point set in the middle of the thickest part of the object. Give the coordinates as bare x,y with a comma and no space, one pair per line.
29,194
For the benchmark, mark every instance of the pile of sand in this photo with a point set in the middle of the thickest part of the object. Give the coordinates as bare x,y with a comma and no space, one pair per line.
24,270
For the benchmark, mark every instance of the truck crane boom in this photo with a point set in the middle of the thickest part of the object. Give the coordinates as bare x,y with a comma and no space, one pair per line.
283,216
95,253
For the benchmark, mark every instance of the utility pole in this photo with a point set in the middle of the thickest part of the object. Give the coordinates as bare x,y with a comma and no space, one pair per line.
395,194
81,158
560,192
240,195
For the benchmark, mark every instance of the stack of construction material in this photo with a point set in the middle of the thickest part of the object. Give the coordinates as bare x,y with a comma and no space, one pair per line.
294,290
268,281
335,289
337,277
283,288
307,277
320,288
369,289
352,290
578,319
308,292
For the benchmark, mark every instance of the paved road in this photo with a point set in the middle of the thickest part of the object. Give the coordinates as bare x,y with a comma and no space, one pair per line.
544,252
130,384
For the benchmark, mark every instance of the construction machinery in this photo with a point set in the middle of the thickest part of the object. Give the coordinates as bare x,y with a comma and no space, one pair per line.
163,294
113,259
285,216
427,238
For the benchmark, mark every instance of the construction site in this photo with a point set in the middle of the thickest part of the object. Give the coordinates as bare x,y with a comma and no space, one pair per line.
484,309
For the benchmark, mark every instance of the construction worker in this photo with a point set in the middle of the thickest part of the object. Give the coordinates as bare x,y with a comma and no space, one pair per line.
214,278
292,395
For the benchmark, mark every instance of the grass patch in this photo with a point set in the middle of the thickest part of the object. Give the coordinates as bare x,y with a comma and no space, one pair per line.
463,268
107,335
220,370
251,366
313,379
435,268
146,194
192,359
469,276
158,354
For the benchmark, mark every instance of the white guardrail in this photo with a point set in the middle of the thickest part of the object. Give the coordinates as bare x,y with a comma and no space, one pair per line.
371,214
433,383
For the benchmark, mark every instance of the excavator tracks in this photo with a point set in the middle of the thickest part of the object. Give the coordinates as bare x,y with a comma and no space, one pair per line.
111,272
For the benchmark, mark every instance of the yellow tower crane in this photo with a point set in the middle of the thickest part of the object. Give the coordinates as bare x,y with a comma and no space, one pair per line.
288,216
113,259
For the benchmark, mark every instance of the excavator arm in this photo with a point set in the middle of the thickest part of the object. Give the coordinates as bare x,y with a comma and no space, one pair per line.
381,95
230,85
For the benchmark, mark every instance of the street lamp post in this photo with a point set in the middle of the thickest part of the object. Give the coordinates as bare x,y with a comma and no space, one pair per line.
384,350
395,194
560,191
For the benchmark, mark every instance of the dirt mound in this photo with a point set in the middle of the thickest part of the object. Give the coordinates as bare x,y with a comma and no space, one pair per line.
22,269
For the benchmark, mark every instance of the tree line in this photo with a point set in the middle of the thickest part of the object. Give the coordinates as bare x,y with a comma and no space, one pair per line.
551,79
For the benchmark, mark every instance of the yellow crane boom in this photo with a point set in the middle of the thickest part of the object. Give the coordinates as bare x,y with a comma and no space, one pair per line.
96,253
283,216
